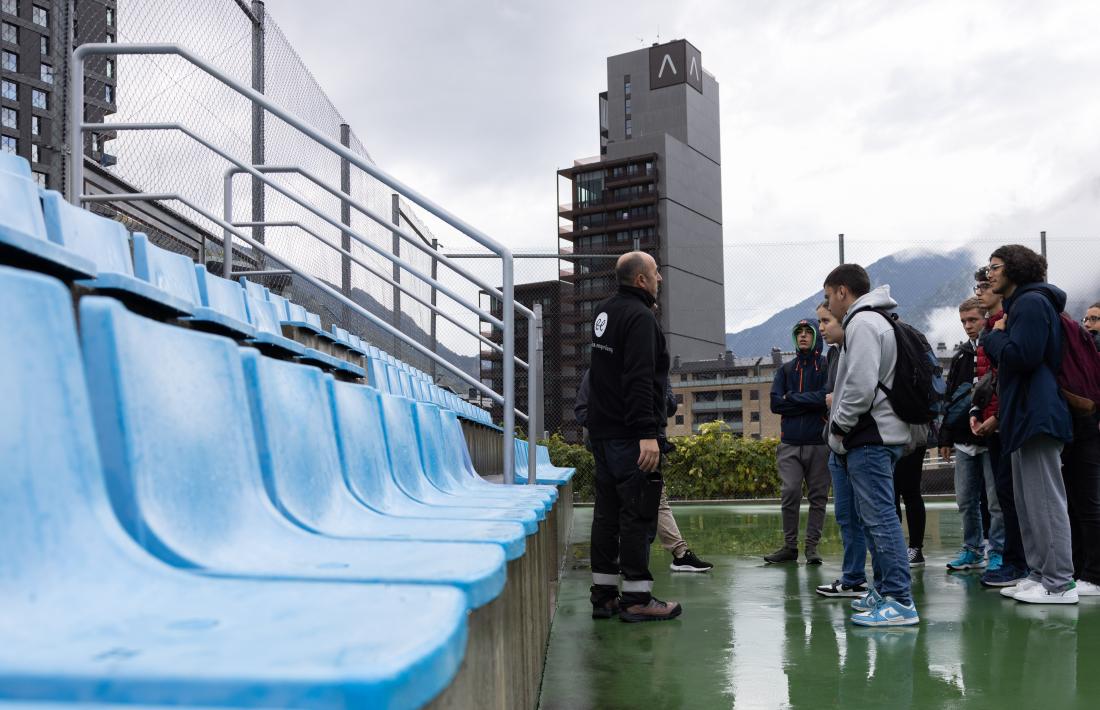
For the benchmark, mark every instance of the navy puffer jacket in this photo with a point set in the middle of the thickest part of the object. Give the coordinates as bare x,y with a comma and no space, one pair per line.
798,393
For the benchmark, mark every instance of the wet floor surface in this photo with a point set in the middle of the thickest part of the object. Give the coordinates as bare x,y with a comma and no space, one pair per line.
757,636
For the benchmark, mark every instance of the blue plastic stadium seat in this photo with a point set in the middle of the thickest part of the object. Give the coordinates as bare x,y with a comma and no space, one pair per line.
183,469
89,616
269,338
253,289
377,376
303,471
543,475
455,444
172,273
24,242
382,461
107,244
402,430
222,307
444,465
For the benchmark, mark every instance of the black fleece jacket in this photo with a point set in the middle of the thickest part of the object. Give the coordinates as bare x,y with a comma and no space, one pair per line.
629,368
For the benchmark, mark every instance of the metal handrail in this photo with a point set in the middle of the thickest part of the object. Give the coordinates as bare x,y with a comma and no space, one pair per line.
318,283
380,274
76,186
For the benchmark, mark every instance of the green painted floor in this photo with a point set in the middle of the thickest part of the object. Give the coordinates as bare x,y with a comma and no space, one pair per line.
757,636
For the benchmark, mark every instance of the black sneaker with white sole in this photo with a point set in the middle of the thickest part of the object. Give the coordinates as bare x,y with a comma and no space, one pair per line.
916,557
839,589
688,562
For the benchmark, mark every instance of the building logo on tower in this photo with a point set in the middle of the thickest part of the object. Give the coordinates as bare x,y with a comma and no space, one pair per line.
675,63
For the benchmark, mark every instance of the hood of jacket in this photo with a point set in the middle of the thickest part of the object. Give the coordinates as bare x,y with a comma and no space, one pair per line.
1055,295
815,349
878,297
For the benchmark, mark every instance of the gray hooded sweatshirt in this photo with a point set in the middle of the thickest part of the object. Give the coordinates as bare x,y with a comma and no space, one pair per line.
861,414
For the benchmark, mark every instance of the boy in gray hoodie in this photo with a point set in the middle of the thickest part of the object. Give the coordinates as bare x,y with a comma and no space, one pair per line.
867,437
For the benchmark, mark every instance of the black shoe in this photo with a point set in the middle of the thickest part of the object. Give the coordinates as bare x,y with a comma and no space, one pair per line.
605,609
690,563
783,554
837,589
654,610
916,557
812,558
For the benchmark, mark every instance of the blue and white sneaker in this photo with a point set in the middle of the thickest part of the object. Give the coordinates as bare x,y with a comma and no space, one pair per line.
967,559
995,562
889,612
868,601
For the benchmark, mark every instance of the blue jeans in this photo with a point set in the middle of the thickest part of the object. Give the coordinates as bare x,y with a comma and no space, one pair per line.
971,474
853,571
871,472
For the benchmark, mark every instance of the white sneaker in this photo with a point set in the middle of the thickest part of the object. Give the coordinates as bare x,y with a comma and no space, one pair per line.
1039,594
1020,586
1087,589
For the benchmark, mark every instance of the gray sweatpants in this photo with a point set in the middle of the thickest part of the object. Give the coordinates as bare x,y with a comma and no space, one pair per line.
797,464
1041,507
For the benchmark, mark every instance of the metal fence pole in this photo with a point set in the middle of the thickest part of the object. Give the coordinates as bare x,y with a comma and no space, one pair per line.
508,384
1043,243
395,215
258,119
435,276
840,238
534,389
345,211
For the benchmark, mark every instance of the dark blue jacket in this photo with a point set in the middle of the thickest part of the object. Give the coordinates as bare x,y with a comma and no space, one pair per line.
1028,356
798,394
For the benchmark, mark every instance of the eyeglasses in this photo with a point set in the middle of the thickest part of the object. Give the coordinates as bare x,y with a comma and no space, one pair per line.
1091,319
980,288
994,267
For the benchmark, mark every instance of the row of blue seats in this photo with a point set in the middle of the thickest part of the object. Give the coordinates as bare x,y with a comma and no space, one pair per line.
280,473
40,230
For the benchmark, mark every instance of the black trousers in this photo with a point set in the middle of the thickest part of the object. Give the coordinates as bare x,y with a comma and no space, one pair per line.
1081,473
623,521
1002,478
907,474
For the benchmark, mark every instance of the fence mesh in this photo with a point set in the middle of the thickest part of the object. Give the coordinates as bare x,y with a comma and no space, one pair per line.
929,278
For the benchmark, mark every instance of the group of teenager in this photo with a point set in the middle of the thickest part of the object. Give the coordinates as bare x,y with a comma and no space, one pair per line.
1025,445
1020,440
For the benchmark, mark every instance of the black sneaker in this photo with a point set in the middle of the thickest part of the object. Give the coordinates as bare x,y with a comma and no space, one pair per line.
916,557
690,563
812,558
783,554
837,589
605,609
654,610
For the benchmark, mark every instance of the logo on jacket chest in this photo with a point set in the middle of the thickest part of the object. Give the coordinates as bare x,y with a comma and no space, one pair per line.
600,324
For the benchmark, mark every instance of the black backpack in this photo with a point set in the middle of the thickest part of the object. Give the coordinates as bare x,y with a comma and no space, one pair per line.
917,394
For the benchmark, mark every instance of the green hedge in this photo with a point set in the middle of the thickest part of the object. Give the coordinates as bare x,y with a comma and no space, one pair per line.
713,464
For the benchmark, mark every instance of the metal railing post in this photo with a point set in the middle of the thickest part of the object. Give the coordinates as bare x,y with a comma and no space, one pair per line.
395,215
534,391
345,210
508,384
258,46
435,277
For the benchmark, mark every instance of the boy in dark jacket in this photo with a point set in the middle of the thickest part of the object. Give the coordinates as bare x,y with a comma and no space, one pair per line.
1026,347
798,396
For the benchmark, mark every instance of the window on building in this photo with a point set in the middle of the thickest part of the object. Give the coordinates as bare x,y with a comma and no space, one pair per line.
754,416
111,68
756,436
110,17
679,399
95,143
36,155
9,144
11,7
629,128
679,419
36,125
10,61
10,118
9,90
10,33
626,85
754,395
45,73
108,93
40,16
110,37
40,178
39,99
628,107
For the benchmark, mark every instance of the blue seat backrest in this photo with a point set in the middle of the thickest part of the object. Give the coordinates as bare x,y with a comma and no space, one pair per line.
103,241
295,313
280,305
298,454
429,435
401,442
394,380
20,208
222,295
178,451
314,320
361,436
168,271
50,475
376,375
262,314
253,289
406,385
341,334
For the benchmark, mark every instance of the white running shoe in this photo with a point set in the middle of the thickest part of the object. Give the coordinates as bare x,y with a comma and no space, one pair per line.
1087,589
1022,585
1039,594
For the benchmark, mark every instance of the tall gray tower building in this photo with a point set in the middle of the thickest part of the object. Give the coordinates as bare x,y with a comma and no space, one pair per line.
658,184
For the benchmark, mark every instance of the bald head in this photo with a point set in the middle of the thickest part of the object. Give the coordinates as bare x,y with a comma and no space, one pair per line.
638,269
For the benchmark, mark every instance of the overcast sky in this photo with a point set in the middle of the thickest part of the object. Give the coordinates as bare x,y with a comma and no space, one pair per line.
901,124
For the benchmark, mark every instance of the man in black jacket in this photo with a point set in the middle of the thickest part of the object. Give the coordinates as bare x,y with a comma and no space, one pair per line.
626,405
